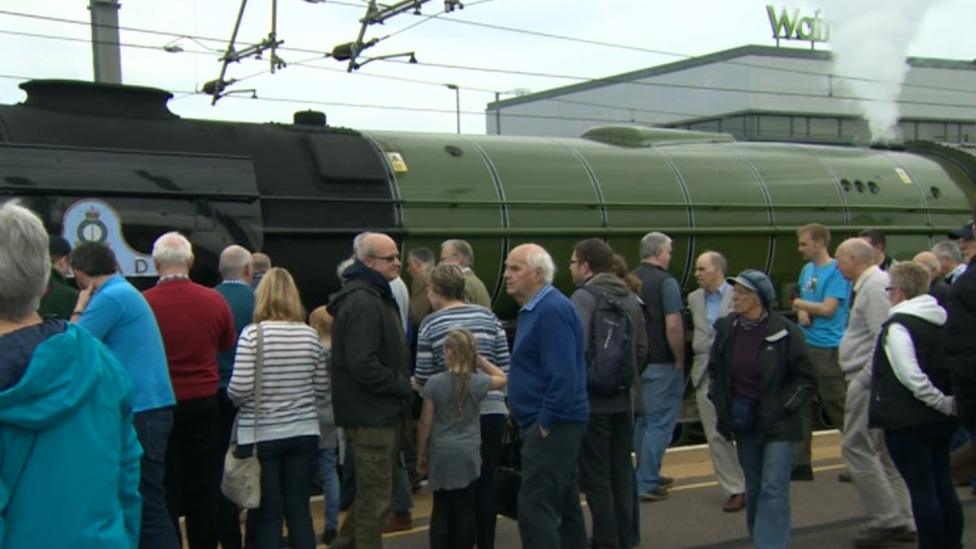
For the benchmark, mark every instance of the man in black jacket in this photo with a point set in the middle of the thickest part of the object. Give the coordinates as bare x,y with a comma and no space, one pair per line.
960,346
606,470
370,383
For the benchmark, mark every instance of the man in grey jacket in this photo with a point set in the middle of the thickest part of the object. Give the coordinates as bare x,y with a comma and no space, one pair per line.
606,470
710,302
882,489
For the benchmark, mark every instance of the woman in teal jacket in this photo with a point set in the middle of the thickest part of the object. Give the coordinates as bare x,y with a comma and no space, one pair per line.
69,457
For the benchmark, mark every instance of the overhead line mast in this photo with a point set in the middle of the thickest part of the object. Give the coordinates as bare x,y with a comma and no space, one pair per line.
105,41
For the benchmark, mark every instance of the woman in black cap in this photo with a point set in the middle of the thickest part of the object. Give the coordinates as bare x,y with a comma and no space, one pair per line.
761,376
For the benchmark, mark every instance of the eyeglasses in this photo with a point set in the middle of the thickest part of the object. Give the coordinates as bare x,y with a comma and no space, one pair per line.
574,262
389,258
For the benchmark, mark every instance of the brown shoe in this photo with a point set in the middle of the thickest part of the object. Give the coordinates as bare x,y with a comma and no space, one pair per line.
736,502
397,522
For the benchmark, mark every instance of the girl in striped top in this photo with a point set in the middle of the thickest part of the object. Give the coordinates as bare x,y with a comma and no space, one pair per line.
293,380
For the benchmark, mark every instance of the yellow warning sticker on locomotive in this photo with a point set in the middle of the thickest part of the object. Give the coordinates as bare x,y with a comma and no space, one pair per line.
903,175
396,160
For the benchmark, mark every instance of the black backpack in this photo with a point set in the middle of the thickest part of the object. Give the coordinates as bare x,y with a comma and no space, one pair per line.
610,352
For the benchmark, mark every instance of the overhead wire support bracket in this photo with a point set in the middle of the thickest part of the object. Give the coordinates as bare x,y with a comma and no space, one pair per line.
378,15
216,87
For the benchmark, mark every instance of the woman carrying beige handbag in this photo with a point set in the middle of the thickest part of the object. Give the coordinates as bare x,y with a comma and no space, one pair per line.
292,379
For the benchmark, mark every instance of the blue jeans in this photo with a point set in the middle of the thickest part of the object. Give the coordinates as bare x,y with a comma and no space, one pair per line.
329,473
152,428
921,455
766,466
662,387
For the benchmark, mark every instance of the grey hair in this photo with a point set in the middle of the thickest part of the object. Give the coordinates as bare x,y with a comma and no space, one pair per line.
463,250
25,263
233,260
718,261
949,250
911,278
538,258
653,243
172,248
360,246
341,268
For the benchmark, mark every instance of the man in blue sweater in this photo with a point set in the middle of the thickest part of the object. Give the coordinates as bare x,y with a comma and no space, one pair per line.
547,393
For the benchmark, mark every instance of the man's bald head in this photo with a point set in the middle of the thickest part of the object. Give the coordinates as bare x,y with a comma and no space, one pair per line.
854,256
235,263
929,261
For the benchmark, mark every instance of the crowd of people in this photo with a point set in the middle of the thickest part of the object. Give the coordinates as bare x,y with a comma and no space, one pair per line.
118,406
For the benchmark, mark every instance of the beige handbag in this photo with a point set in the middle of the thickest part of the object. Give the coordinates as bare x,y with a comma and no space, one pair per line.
241,482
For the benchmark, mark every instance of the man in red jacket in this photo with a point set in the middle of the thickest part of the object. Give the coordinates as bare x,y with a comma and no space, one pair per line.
196,324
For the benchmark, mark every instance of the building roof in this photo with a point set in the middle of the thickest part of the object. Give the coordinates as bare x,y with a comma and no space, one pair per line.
718,57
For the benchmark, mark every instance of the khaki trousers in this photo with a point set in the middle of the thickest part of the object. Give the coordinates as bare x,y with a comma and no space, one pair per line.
882,489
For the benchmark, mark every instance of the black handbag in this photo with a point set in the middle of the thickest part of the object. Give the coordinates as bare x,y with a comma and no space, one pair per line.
508,477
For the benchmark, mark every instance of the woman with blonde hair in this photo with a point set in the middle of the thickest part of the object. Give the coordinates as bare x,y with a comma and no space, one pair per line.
450,424
285,356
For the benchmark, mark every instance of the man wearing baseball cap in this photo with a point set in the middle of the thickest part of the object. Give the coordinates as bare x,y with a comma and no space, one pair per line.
967,245
59,299
960,345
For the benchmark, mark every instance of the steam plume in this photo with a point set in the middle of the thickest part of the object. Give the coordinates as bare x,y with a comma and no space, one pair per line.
870,40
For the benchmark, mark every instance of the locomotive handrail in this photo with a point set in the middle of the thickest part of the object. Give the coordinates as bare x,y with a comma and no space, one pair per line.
598,231
620,205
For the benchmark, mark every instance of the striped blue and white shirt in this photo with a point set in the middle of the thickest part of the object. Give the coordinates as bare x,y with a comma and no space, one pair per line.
293,379
488,333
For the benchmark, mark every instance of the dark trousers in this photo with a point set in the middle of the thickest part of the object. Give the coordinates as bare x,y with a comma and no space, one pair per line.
549,513
192,466
452,522
606,476
830,396
228,515
921,455
492,431
153,428
286,485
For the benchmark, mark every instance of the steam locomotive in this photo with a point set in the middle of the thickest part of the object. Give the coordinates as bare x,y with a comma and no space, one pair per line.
111,163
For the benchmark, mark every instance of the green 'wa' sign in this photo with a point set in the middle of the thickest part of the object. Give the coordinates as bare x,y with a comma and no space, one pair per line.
793,27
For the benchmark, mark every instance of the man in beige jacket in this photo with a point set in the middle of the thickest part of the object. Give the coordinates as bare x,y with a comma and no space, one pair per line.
710,302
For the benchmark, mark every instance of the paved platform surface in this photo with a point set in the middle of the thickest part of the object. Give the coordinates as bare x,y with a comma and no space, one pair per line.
826,513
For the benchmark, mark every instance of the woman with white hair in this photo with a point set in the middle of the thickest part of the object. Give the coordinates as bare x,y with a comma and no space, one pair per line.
911,400
68,448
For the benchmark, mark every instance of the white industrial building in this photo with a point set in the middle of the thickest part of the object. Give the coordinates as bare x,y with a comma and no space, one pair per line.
753,92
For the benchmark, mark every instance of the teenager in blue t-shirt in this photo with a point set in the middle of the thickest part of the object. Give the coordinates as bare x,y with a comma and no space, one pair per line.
821,311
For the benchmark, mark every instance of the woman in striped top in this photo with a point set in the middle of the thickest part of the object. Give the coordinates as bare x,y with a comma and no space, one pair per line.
293,380
446,293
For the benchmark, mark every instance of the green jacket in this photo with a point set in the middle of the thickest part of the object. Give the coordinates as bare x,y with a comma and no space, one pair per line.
60,298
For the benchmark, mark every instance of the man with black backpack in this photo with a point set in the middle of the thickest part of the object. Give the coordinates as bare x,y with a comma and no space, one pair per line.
616,346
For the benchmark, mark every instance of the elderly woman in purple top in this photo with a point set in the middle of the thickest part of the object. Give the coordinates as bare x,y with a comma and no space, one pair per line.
761,376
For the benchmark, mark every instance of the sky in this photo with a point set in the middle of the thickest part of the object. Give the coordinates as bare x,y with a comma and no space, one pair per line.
51,39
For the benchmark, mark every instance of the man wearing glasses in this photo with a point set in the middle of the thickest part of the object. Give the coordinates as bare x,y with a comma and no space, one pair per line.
370,382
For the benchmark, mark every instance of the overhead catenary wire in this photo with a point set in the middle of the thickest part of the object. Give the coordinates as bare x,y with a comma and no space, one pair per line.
492,26
376,106
607,80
